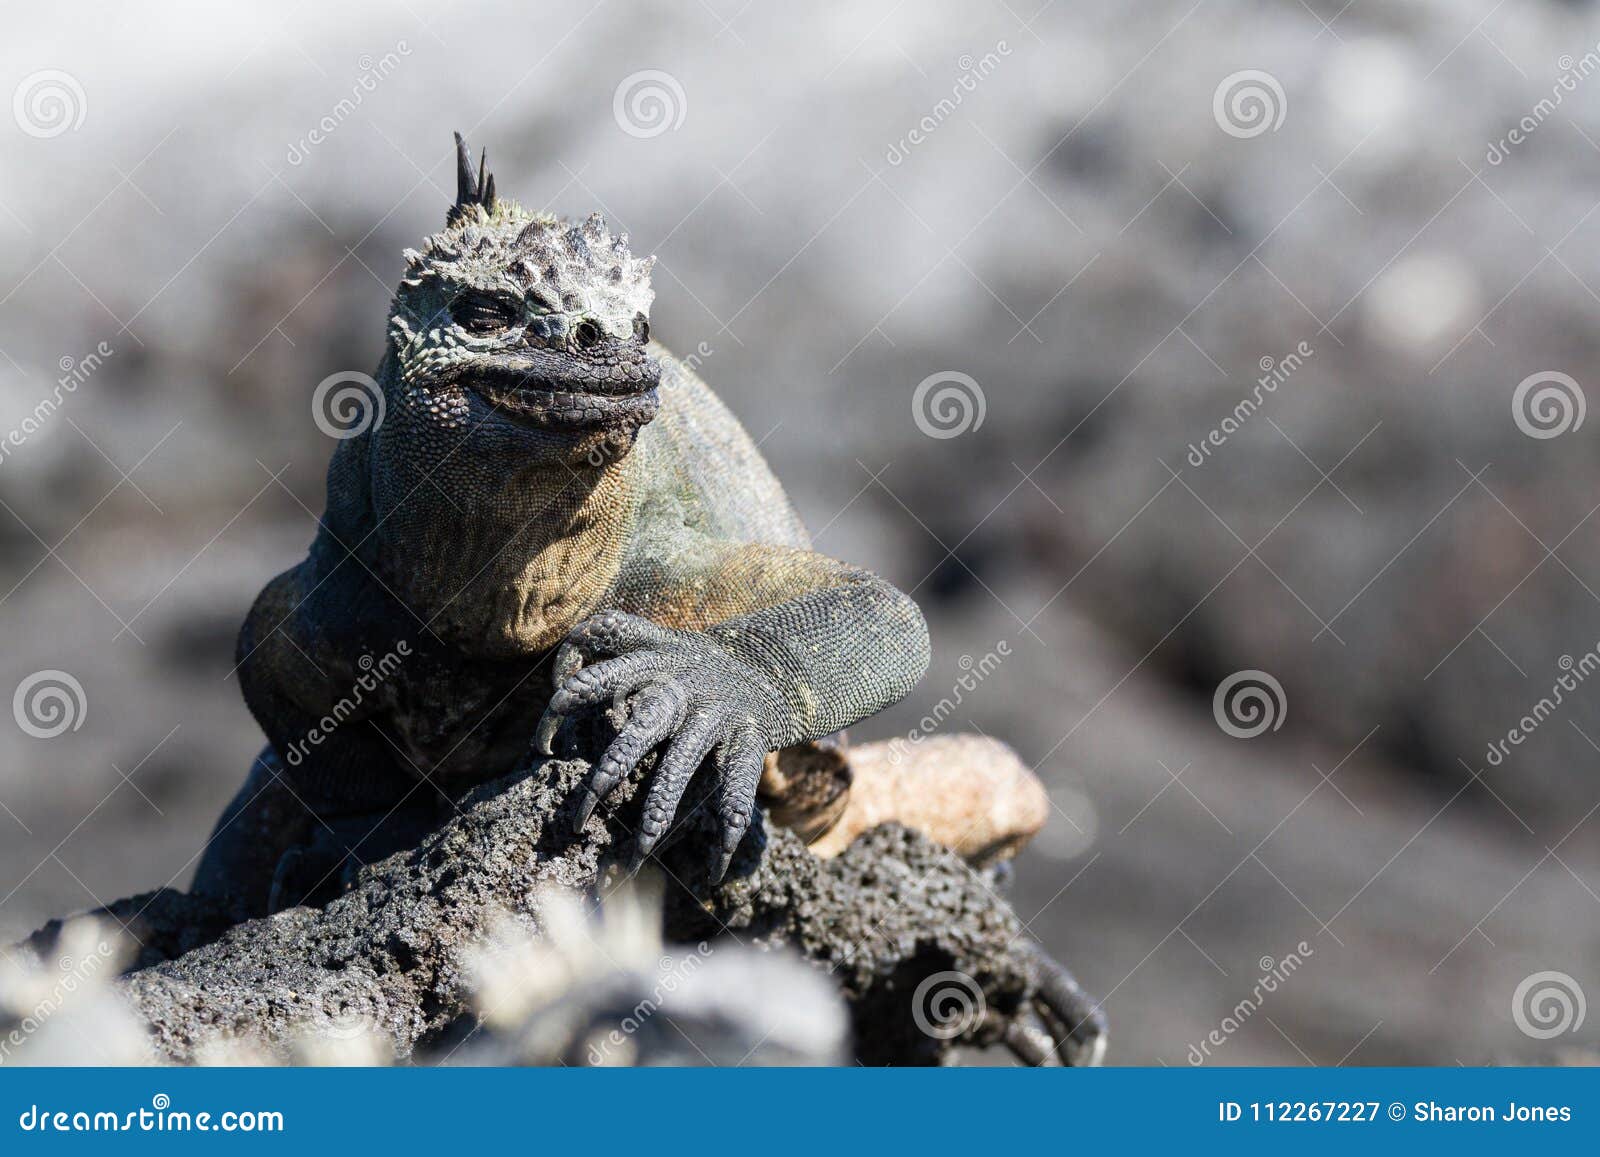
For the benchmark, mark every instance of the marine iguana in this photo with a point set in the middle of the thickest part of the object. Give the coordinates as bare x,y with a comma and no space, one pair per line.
545,490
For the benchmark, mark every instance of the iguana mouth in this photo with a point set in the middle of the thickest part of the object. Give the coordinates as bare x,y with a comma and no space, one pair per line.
561,390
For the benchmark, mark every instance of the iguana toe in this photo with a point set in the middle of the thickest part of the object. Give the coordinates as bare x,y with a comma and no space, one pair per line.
672,776
682,693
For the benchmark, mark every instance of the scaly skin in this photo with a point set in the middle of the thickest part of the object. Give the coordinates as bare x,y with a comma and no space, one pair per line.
553,500
547,483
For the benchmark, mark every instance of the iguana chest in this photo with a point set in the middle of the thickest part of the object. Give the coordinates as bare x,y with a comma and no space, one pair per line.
456,722
509,580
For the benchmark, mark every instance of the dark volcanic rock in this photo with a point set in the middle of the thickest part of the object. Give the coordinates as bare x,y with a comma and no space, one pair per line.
393,953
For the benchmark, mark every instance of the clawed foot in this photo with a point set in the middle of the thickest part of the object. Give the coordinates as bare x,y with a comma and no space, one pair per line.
682,692
1061,1024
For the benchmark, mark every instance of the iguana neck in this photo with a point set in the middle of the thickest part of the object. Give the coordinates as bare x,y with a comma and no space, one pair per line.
514,574
498,550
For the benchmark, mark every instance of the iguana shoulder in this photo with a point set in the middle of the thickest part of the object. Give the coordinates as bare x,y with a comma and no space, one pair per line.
701,468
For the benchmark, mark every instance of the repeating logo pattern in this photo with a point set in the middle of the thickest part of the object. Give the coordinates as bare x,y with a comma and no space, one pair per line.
1548,1004
649,103
1548,404
1249,703
347,404
947,1005
49,703
948,404
48,103
1249,103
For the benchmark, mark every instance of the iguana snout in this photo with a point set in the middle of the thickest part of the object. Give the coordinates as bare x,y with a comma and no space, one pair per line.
611,385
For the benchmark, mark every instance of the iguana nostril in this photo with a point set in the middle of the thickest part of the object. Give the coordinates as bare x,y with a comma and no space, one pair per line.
587,334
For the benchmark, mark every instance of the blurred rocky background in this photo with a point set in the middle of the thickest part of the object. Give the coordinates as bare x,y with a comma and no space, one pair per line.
1259,334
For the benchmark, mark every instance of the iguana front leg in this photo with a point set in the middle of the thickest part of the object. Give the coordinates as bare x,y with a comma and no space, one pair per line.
745,649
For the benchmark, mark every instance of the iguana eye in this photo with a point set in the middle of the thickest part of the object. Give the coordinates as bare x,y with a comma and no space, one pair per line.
587,334
641,327
482,313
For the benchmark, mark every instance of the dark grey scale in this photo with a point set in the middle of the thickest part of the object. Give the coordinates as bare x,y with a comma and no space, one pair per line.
633,591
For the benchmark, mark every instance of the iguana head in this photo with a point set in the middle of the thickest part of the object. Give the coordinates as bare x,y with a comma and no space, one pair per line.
507,316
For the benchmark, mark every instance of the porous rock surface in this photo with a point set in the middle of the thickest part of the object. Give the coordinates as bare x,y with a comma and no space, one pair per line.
393,950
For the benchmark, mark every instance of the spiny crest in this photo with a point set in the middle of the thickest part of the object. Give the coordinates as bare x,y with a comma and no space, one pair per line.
582,266
471,188
565,267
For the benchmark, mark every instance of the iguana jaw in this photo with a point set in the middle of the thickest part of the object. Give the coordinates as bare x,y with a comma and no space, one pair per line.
554,389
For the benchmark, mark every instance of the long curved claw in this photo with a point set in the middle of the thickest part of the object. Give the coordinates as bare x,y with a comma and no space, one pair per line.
719,870
667,684
739,763
657,712
672,775
612,632
545,734
1031,1042
563,669
610,679
1081,1040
